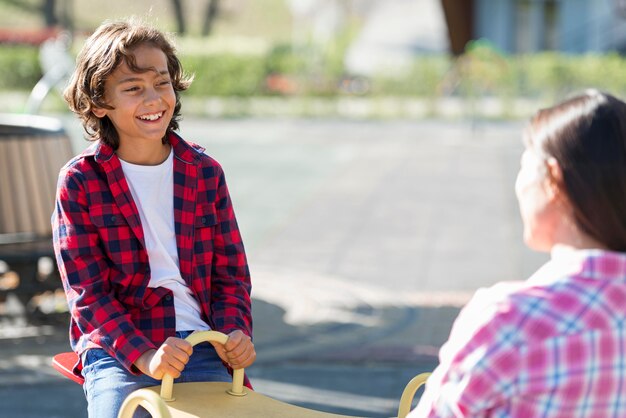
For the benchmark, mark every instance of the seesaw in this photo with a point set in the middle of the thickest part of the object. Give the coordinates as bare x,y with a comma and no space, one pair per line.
218,399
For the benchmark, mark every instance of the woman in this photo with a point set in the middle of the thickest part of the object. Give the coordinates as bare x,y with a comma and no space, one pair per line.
554,345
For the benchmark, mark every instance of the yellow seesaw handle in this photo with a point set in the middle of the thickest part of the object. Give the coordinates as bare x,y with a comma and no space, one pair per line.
167,385
150,400
409,393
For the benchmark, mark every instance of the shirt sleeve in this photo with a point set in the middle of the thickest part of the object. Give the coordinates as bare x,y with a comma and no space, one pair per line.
479,365
85,271
230,281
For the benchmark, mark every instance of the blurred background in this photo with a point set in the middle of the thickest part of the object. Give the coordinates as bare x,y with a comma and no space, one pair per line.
370,147
355,58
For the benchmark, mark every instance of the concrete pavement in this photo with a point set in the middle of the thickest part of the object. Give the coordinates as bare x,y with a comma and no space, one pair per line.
364,238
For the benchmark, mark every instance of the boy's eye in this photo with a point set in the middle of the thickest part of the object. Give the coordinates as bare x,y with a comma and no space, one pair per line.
134,88
165,83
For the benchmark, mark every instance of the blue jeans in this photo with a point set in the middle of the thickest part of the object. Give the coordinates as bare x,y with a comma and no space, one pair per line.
108,383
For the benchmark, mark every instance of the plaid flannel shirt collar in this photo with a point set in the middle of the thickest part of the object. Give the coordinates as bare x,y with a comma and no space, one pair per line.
186,152
589,263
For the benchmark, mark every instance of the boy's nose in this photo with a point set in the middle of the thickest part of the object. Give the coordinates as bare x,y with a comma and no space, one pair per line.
152,95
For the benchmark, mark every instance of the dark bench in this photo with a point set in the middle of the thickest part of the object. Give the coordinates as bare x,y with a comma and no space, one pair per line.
32,151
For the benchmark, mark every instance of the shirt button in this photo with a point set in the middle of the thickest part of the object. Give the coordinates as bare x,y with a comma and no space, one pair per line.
113,218
168,298
203,220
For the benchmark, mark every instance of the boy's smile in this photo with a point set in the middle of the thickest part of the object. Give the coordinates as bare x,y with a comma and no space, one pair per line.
152,117
143,104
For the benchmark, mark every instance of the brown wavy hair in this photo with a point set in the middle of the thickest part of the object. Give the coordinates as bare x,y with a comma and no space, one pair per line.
103,52
587,136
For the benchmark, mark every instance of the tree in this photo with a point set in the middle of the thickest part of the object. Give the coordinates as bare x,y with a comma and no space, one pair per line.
49,10
210,15
180,16
49,13
212,11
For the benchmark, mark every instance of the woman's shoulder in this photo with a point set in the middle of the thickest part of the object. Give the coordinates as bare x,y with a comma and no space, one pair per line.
507,305
549,304
491,305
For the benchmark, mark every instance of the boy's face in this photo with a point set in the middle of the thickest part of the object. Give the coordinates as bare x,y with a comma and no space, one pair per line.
143,103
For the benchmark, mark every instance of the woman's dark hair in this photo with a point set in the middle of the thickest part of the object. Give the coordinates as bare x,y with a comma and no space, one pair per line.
587,136
103,52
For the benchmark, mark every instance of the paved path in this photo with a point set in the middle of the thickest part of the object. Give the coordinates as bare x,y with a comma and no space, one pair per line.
364,239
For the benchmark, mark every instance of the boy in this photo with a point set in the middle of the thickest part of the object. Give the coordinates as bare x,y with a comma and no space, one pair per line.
144,231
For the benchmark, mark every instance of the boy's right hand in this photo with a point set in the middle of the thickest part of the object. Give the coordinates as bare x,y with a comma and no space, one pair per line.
170,358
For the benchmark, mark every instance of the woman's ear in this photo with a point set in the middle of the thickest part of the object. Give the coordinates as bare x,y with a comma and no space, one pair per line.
555,177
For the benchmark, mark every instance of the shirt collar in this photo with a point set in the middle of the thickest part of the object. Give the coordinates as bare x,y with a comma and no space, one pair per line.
593,264
187,152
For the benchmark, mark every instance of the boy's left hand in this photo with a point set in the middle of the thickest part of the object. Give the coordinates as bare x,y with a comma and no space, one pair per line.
238,352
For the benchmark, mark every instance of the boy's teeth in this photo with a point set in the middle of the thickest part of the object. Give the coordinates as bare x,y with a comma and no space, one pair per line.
151,117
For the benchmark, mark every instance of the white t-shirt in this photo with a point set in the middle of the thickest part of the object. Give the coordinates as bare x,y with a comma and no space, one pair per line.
152,187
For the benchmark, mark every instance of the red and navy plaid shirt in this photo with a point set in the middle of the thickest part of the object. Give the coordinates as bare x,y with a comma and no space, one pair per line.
102,258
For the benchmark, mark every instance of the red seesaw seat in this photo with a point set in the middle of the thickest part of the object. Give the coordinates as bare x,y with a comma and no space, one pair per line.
64,363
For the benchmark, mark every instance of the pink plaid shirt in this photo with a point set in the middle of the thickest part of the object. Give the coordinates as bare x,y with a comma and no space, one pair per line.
553,346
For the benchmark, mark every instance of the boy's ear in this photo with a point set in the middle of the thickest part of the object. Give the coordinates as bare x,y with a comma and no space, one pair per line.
99,112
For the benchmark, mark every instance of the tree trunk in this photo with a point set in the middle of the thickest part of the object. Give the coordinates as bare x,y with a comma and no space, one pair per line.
212,11
459,22
67,15
180,16
49,15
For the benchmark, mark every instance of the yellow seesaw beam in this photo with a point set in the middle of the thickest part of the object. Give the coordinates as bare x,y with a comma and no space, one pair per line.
225,400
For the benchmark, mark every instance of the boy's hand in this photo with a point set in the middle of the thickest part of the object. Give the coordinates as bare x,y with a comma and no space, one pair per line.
238,352
170,358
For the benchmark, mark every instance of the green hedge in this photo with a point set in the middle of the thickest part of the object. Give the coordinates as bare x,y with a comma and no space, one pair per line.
558,74
482,71
19,67
225,75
